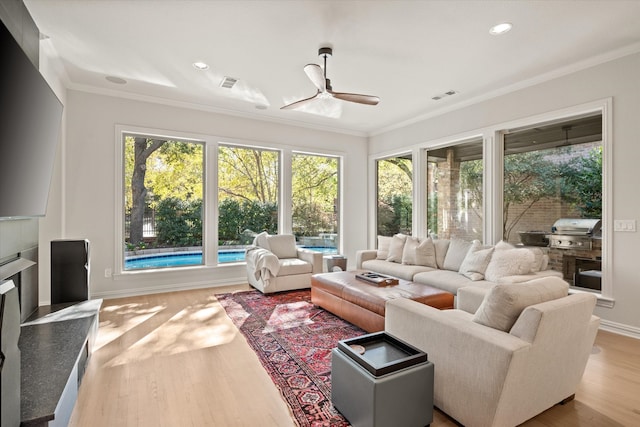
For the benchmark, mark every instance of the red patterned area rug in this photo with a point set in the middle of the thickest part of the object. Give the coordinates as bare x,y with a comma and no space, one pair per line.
293,339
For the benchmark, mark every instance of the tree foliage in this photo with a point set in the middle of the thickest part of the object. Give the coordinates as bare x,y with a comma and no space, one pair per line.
583,183
248,174
314,184
179,222
395,195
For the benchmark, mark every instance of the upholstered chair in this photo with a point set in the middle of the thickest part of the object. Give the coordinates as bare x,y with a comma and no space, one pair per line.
275,263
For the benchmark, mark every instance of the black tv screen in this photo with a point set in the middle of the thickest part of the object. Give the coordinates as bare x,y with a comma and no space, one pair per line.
30,117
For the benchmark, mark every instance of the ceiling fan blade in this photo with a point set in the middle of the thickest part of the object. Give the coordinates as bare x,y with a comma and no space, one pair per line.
315,74
354,97
300,103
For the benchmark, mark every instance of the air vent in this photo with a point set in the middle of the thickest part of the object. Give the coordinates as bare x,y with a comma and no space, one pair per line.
228,82
442,95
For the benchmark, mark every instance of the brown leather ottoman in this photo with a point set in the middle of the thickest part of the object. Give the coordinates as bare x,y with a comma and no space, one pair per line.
363,303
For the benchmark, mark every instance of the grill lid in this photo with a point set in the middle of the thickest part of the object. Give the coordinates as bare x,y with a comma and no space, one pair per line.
577,226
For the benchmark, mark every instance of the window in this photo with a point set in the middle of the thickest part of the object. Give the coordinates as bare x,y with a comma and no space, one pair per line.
455,191
248,187
163,187
315,201
394,186
552,171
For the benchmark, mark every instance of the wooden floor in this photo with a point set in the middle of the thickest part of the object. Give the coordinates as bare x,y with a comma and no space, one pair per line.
175,359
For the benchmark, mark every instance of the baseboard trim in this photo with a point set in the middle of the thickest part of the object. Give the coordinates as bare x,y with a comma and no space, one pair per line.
168,288
620,328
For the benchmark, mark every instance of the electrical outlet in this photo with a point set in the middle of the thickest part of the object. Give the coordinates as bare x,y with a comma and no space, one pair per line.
624,225
107,272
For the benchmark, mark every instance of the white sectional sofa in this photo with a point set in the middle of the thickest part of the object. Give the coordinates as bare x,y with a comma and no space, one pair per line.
451,264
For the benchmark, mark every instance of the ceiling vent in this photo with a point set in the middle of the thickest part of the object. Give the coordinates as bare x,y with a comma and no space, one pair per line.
228,82
442,95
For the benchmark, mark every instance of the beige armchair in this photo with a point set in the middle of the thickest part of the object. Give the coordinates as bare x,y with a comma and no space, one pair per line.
523,351
275,263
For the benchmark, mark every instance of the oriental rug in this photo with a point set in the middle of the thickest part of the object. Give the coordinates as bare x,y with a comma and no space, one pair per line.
293,340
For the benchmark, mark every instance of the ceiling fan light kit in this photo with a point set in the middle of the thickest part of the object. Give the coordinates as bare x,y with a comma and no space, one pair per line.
318,77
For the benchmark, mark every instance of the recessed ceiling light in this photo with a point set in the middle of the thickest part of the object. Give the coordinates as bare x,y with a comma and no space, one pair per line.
200,66
500,28
116,80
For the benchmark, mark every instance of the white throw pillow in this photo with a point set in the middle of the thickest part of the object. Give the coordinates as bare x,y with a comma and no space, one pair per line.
283,245
409,250
396,248
538,257
455,254
426,253
502,306
441,245
261,240
476,261
383,247
507,260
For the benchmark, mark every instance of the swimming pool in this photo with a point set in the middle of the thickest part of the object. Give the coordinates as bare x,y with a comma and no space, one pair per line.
177,259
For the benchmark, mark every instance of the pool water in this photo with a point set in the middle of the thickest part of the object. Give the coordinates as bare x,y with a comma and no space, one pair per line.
177,259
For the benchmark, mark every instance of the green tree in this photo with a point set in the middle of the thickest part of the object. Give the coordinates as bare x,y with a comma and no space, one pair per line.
314,194
142,149
583,183
395,187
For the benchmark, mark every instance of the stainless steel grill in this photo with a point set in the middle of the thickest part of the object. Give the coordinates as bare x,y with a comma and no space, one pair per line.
574,233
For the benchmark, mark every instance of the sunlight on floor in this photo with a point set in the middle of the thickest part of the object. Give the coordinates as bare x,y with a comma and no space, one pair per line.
290,315
129,315
195,327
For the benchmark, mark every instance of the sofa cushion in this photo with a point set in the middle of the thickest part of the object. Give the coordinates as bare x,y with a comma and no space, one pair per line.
396,248
447,280
283,245
538,263
476,261
290,266
402,271
441,246
455,254
383,247
504,303
507,260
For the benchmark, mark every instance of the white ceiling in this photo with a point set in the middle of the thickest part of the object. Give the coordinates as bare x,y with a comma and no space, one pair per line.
405,52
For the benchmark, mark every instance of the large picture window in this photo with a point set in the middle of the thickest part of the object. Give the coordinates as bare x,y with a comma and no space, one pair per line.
248,187
163,187
455,176
394,186
315,201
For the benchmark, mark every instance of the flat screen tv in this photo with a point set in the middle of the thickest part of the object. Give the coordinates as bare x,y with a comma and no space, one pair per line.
30,117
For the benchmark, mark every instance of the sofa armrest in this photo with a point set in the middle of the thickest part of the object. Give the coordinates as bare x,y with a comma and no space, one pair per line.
312,257
469,298
365,255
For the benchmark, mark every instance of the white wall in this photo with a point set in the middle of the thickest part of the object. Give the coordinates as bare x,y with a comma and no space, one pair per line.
617,79
88,185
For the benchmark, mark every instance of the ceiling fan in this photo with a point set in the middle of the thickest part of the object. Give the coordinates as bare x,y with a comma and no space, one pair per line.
318,77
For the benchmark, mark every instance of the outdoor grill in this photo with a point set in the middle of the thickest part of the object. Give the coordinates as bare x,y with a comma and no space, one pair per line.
574,233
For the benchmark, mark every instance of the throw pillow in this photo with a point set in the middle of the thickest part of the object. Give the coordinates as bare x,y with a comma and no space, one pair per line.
502,306
426,253
455,254
507,260
396,248
476,261
538,257
383,247
261,240
441,245
283,245
409,250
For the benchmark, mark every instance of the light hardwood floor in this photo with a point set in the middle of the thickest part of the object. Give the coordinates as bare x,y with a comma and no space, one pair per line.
175,359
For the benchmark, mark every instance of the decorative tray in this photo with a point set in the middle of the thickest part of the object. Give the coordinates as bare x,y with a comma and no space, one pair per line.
381,353
377,278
